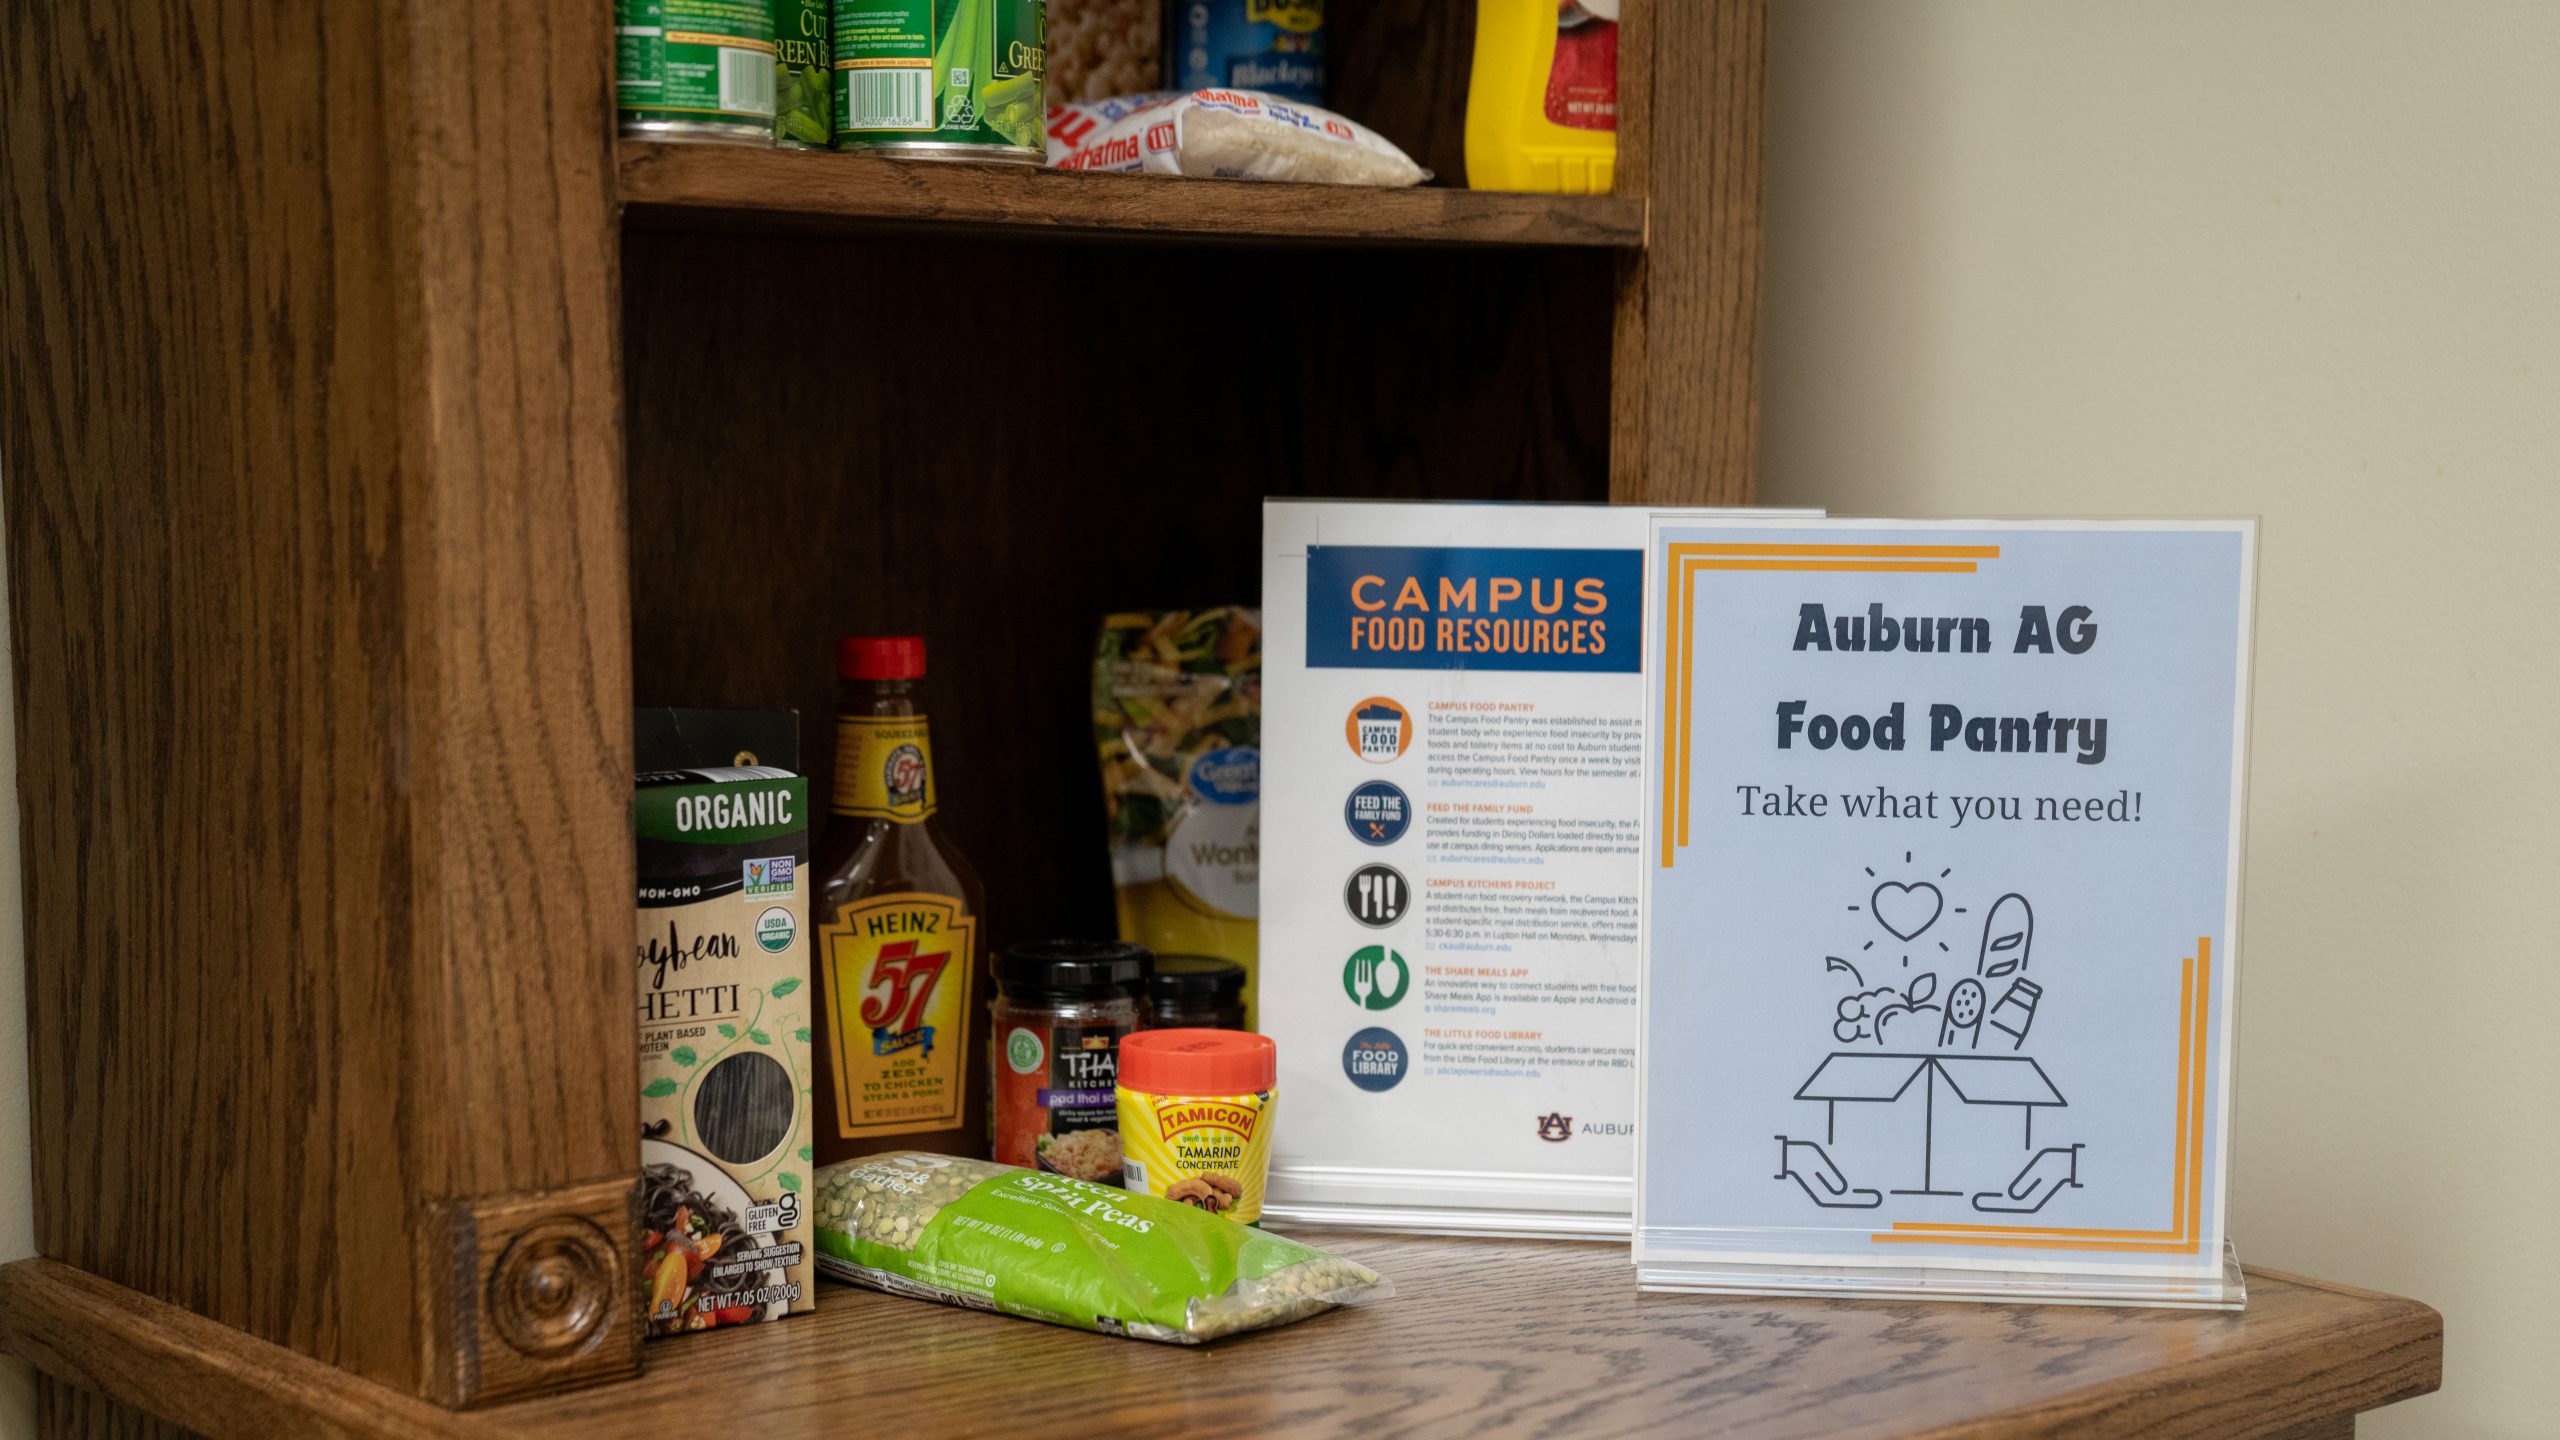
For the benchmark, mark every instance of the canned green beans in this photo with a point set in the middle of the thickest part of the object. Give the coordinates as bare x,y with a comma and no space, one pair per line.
695,69
942,79
802,75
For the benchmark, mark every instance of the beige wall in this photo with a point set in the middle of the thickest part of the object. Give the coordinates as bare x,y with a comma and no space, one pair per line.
2300,261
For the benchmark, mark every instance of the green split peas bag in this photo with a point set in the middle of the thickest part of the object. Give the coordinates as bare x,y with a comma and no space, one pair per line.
1044,1247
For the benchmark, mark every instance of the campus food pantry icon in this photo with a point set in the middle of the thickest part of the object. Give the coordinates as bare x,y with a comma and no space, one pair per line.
1379,730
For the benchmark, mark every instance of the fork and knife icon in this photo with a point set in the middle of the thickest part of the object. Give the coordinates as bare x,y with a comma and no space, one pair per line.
1378,895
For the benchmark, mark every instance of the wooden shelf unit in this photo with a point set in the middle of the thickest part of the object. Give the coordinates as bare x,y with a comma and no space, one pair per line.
672,184
1483,1337
378,430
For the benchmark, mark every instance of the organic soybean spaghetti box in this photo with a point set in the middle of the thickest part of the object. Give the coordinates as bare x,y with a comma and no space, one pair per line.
724,1046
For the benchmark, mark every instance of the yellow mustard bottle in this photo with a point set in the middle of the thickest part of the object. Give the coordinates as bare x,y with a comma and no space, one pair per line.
1542,102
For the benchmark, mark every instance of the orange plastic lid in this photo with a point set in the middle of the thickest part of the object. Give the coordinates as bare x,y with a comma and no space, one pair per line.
1198,1062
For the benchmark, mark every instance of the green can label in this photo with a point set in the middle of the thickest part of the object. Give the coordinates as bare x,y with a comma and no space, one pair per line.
702,61
803,73
947,72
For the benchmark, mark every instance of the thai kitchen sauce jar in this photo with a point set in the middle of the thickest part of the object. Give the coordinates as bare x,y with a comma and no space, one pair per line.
1061,1010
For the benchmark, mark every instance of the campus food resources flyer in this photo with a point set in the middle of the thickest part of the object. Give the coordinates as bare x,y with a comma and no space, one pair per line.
1453,718
1941,876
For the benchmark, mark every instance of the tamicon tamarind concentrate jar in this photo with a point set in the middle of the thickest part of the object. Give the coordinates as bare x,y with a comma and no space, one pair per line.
1195,1117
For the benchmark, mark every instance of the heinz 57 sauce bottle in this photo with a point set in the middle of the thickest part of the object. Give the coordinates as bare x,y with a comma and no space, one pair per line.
899,964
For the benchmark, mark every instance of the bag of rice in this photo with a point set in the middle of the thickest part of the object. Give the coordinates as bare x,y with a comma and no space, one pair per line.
1045,1247
1225,134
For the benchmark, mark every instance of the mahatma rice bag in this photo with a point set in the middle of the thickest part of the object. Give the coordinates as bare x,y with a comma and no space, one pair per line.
1224,134
1046,1247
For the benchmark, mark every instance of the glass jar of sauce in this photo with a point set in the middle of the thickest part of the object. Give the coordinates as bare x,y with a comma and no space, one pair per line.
1060,1011
1200,992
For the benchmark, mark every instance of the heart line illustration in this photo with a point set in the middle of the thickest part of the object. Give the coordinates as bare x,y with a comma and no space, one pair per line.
1906,910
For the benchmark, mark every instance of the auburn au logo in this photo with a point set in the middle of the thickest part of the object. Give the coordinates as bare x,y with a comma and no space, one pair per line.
1553,1126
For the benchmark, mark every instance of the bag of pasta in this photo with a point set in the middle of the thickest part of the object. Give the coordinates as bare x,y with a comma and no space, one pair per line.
1177,721
1046,1247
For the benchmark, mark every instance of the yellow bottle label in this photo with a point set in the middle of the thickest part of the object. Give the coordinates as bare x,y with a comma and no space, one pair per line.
898,970
884,767
1304,17
1212,1151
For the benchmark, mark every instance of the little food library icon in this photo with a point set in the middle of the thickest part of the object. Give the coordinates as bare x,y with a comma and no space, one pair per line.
1379,730
1374,1059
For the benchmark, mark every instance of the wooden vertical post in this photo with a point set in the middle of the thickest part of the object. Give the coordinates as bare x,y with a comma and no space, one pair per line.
1685,381
314,511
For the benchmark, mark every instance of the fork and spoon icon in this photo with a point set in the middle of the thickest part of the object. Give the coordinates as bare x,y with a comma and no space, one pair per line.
1368,987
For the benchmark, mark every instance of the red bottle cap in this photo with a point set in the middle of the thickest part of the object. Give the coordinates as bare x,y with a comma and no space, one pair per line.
1198,1062
880,657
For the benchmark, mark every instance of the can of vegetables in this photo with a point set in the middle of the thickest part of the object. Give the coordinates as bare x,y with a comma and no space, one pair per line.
1195,1117
943,79
694,69
803,33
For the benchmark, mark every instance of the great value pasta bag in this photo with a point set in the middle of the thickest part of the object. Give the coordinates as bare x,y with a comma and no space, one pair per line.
1224,134
1070,1252
1177,724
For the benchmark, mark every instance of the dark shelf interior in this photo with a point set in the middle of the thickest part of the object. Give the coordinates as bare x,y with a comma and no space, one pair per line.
995,444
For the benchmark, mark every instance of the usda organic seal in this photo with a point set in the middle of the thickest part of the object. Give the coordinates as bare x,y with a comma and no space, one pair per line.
775,929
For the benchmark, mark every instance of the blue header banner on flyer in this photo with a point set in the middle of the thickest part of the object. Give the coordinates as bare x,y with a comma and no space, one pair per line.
1405,607
1942,859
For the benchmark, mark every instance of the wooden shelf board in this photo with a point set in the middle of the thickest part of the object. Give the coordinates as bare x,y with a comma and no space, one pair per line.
679,184
1492,1337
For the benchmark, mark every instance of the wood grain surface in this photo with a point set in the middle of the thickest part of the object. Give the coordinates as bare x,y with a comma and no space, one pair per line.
996,445
1482,1337
1685,402
693,185
66,1409
119,1363
308,401
518,746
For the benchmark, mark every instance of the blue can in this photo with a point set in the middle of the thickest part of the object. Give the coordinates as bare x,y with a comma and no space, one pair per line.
1275,46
